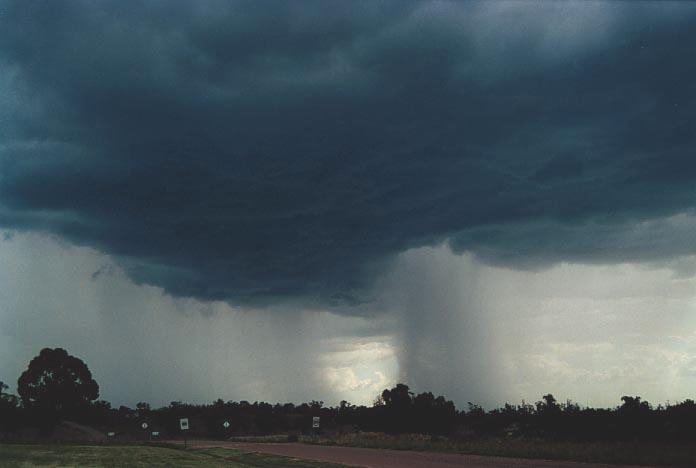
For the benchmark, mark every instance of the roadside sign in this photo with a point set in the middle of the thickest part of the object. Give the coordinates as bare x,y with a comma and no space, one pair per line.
184,424
155,434
315,421
110,434
226,424
144,425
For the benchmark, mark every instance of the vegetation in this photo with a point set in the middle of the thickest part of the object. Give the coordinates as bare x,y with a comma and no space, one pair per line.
634,431
145,456
58,382
55,386
627,452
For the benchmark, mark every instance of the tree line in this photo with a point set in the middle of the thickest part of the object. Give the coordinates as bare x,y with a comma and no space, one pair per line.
57,386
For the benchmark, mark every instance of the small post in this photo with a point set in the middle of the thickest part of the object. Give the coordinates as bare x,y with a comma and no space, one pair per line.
184,426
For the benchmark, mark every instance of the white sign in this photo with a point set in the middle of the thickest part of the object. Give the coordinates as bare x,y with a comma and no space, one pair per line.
110,434
315,421
155,434
144,425
183,424
226,424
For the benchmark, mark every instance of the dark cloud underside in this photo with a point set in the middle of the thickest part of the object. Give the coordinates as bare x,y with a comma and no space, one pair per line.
250,151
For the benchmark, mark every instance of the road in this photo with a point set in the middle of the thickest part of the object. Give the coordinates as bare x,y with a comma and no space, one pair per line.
381,458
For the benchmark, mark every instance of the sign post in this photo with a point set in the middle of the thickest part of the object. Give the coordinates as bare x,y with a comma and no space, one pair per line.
184,426
315,424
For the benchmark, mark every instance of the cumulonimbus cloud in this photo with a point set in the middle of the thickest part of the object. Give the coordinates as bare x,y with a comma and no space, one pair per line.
237,151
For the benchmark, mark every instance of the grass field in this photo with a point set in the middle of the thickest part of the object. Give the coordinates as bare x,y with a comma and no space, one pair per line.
268,439
139,456
635,453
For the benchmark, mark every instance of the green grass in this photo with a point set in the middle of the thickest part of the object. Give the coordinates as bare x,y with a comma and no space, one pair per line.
636,453
139,456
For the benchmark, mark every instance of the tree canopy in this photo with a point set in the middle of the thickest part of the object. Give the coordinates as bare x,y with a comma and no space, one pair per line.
57,381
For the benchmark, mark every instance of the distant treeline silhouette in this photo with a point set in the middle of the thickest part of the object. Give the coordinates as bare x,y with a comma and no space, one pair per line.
57,386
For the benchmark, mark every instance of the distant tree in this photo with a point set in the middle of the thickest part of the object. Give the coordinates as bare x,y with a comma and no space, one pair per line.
142,407
398,397
570,407
57,382
548,405
682,416
9,410
475,410
7,399
433,414
634,405
526,409
395,409
316,405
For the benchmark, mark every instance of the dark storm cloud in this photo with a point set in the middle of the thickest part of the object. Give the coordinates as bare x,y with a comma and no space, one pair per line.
251,151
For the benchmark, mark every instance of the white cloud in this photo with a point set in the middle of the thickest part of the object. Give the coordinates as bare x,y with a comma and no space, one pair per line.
358,367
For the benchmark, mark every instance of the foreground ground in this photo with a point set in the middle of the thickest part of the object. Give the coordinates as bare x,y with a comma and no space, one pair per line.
385,458
251,454
140,456
648,453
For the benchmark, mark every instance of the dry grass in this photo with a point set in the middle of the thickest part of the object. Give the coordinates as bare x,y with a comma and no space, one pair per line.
260,439
650,453
15,455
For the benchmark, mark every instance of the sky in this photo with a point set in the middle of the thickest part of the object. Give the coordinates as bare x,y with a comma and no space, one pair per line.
287,201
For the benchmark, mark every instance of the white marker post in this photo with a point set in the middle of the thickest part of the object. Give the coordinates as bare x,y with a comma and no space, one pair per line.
315,424
184,426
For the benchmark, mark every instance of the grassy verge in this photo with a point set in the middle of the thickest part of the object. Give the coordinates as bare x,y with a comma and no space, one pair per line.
636,453
140,456
263,459
261,439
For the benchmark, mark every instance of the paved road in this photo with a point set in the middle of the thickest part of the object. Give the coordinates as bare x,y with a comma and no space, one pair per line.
379,458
